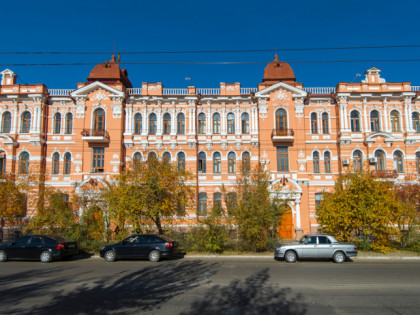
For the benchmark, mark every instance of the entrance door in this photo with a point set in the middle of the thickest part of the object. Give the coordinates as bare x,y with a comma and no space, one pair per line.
286,224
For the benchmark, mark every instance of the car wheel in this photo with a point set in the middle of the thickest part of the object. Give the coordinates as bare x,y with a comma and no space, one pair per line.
110,256
290,256
339,257
45,257
3,256
154,256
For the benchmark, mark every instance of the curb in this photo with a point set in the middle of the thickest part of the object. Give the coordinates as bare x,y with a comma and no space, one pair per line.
272,257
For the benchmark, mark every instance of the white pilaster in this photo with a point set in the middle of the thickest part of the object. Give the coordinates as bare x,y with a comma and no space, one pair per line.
298,222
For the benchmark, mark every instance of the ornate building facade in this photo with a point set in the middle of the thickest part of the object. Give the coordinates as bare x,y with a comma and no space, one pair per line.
304,136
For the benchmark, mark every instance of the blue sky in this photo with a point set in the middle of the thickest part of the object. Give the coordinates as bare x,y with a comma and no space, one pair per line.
92,26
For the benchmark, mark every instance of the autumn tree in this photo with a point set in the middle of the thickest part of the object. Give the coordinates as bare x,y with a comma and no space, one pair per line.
55,217
148,192
255,212
12,201
362,207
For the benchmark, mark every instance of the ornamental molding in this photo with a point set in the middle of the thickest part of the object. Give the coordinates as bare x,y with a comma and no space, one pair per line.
84,91
281,86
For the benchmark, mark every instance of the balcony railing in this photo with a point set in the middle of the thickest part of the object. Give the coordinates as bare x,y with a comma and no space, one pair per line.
134,91
95,135
60,92
384,174
285,135
175,92
319,90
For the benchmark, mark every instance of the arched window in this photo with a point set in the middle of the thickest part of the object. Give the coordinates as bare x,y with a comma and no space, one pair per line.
357,160
216,123
398,162
6,123
166,157
24,163
327,162
316,162
231,123
152,156
2,162
418,162
395,121
57,123
25,122
231,162
67,163
69,124
246,162
202,204
136,160
180,124
181,161
325,125
380,163
201,162
231,202
138,124
152,124
245,123
166,124
281,121
55,163
216,163
99,122
202,123
416,121
355,121
314,123
374,121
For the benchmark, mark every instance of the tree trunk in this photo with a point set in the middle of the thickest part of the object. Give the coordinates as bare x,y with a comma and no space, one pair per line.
158,225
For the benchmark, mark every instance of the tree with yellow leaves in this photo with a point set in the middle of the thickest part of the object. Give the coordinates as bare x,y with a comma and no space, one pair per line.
362,207
148,192
12,201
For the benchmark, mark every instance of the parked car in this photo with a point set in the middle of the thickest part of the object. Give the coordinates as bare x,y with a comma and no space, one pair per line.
315,246
153,247
37,247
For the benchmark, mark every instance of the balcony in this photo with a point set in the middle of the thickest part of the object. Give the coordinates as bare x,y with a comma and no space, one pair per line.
283,136
384,174
93,135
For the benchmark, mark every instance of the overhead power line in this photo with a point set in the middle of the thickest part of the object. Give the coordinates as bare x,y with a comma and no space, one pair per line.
207,51
207,62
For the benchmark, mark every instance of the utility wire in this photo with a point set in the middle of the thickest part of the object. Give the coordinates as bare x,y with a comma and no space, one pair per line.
205,51
208,63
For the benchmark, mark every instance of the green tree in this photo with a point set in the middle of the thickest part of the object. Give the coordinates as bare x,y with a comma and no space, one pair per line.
56,217
362,207
255,213
149,191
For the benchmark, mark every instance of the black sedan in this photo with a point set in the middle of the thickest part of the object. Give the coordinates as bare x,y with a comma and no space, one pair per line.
153,247
38,247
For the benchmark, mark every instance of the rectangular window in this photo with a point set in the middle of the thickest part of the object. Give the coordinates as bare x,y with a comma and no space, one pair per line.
202,204
98,157
217,203
282,159
231,202
318,198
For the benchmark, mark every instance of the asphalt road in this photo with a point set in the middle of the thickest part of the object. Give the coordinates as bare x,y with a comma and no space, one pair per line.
210,286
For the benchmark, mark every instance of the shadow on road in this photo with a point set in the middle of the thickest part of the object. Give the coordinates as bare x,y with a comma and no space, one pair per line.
254,295
143,290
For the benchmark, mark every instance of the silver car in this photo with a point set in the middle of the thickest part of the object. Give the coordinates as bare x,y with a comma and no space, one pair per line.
315,246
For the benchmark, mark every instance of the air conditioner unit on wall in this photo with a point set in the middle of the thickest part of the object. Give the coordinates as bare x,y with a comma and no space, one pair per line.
373,160
346,162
